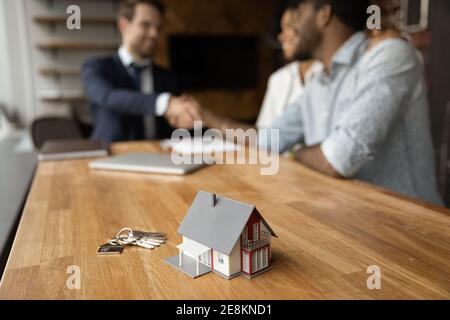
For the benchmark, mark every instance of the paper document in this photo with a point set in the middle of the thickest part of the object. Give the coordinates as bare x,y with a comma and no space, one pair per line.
199,146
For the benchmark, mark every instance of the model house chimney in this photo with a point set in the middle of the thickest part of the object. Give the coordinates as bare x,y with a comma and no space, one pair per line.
213,199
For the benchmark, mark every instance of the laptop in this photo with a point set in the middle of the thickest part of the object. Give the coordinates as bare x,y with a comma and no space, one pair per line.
145,163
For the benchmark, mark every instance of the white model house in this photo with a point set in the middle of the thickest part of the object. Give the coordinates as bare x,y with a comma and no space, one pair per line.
224,236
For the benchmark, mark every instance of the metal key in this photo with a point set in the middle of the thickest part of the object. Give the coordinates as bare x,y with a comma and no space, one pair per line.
155,241
143,244
148,240
142,234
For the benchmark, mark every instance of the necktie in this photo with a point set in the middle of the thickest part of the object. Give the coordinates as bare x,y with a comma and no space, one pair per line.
149,121
136,75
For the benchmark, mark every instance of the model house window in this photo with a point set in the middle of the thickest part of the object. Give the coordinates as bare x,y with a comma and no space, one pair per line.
206,258
244,236
255,232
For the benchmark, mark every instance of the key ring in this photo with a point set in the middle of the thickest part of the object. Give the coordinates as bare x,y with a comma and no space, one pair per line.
122,239
129,234
114,242
148,240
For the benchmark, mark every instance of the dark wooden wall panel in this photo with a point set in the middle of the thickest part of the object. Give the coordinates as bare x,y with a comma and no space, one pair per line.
226,17
438,74
439,67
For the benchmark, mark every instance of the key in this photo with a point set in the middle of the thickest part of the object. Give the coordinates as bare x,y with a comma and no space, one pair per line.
143,244
142,234
125,241
122,240
147,240
153,242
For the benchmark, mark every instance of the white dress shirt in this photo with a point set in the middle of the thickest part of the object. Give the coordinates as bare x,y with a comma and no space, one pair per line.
284,87
147,87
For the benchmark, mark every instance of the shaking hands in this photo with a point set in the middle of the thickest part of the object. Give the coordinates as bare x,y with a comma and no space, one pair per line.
183,112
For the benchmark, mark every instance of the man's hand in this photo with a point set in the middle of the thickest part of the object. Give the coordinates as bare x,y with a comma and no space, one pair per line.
183,112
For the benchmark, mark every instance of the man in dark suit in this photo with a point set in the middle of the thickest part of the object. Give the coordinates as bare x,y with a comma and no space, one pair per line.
131,97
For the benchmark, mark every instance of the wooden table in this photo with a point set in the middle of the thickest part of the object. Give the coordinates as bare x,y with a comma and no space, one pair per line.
330,232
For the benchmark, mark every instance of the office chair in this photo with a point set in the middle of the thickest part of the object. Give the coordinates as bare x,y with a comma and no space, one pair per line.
53,128
444,167
83,118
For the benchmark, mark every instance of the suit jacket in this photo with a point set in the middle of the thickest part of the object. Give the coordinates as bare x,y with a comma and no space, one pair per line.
118,107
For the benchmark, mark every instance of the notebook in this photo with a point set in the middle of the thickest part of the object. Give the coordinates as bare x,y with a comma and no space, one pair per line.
73,149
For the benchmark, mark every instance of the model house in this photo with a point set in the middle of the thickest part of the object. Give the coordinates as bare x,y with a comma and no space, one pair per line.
224,236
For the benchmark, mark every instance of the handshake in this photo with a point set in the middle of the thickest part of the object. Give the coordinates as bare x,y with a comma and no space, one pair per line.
183,112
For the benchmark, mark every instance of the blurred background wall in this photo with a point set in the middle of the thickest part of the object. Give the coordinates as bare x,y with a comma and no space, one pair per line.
16,83
40,58
47,56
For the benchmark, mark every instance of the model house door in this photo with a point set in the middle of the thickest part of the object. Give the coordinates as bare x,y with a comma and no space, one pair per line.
260,259
245,262
264,257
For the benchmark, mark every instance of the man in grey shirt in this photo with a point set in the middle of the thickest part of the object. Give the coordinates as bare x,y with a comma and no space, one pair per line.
365,115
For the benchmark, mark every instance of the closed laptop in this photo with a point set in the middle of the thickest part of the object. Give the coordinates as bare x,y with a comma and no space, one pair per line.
144,162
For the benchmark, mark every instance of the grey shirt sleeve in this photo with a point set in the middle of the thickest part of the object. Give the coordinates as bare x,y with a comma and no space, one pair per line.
289,125
378,103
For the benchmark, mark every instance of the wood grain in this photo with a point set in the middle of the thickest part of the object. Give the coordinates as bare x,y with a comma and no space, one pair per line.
330,232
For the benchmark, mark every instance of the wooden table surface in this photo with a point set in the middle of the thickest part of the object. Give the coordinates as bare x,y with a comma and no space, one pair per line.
329,231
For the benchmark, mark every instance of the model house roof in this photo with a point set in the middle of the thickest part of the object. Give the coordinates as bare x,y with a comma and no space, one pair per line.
217,222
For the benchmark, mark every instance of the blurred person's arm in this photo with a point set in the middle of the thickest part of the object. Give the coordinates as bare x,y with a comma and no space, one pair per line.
214,121
313,157
288,129
101,91
379,102
179,111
